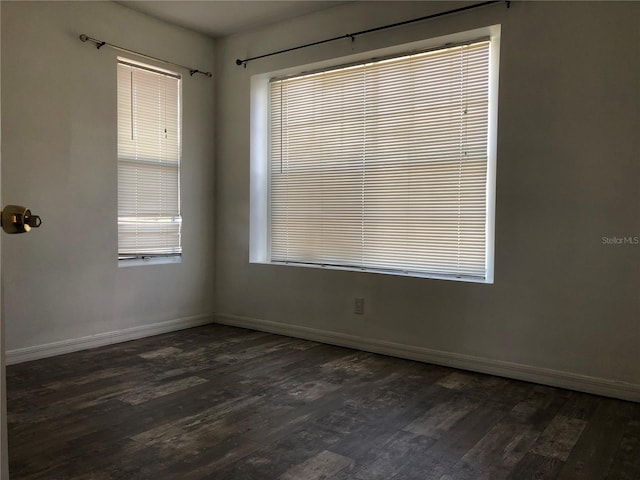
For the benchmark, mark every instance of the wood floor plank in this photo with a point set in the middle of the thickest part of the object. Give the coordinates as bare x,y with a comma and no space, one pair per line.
400,449
324,464
540,406
457,380
536,467
451,446
559,438
625,463
495,455
275,458
161,352
441,417
224,403
145,393
593,454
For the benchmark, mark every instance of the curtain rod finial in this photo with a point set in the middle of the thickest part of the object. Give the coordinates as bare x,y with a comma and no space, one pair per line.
239,62
83,38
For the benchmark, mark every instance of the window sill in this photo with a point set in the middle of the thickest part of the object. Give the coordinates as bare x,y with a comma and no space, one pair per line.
398,273
136,262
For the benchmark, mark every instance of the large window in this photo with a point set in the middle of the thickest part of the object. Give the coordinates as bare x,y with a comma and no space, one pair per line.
384,165
148,161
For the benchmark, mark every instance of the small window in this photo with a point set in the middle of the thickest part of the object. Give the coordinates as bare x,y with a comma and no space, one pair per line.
149,147
383,166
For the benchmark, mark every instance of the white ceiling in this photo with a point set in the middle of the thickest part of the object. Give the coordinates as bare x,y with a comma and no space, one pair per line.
218,18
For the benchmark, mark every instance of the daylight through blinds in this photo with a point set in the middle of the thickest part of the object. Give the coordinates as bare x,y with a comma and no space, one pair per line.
148,162
383,165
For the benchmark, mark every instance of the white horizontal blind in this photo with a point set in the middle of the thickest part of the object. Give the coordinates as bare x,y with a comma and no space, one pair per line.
148,162
383,165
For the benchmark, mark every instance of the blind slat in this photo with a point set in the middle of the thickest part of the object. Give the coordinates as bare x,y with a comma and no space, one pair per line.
383,165
149,140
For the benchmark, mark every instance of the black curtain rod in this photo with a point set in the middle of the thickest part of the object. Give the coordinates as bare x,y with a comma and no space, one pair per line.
99,44
353,36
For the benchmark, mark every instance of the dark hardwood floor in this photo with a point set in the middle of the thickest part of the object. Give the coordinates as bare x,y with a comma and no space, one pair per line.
224,403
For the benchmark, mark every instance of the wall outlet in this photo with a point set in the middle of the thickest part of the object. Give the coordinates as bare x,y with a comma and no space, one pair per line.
358,306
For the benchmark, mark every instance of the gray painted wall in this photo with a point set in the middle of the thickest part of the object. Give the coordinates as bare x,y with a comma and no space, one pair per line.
568,174
59,152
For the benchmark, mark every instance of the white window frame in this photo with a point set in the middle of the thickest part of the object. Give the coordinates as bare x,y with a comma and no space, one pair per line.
259,185
146,258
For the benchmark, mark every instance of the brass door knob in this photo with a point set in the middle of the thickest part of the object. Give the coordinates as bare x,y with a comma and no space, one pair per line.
18,219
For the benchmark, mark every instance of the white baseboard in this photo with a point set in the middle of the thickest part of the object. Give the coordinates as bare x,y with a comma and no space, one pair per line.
545,376
26,354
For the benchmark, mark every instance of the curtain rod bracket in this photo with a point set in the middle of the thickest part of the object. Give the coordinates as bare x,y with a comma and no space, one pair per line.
99,44
193,71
